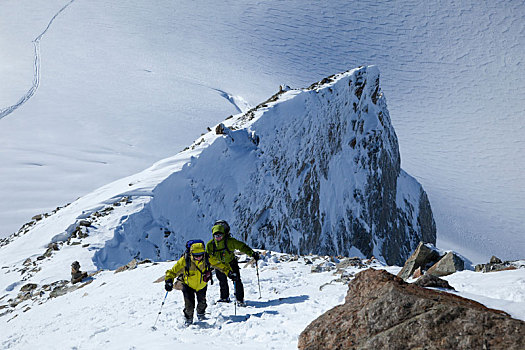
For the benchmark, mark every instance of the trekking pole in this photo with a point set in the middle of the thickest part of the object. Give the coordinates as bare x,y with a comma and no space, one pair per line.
155,328
235,294
258,280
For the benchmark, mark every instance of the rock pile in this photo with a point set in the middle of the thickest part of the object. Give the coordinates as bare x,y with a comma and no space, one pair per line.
427,259
76,274
495,264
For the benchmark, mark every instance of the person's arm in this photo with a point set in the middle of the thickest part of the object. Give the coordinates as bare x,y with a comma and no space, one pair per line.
240,246
176,270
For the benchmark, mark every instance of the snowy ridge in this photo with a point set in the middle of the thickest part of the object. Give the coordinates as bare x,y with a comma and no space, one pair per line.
308,171
280,174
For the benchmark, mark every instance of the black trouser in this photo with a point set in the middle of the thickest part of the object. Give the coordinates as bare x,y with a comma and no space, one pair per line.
223,282
189,301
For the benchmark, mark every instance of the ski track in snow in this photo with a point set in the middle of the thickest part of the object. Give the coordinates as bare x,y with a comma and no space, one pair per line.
36,66
238,102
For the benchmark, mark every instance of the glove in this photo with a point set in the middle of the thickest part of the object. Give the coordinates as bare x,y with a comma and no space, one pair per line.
168,285
232,275
206,275
256,256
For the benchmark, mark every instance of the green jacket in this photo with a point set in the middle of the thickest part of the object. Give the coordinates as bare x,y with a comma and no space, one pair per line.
218,249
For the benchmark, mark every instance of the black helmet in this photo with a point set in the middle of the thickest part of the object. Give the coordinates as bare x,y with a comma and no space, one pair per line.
224,224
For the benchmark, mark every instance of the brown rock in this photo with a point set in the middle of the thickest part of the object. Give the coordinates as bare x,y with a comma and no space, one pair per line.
220,129
381,311
494,265
421,257
417,273
432,281
495,260
350,262
76,274
129,266
28,287
85,223
447,265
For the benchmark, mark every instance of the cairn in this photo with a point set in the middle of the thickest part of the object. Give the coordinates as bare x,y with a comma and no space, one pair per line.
76,274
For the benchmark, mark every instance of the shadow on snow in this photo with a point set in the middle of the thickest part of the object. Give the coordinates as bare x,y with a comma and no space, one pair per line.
279,301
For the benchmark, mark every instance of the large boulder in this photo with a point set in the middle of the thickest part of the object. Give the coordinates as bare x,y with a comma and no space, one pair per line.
381,311
447,265
424,256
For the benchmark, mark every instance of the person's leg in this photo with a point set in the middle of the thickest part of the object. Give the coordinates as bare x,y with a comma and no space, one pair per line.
201,302
223,283
189,302
239,288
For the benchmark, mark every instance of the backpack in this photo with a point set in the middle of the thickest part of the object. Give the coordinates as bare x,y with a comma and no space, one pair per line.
206,274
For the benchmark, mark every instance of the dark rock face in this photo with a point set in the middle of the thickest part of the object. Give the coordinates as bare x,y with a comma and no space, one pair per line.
383,312
350,123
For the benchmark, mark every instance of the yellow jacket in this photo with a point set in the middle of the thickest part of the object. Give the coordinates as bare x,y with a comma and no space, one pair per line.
193,278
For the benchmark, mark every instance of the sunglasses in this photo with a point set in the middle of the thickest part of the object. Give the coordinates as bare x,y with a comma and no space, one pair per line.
218,234
198,255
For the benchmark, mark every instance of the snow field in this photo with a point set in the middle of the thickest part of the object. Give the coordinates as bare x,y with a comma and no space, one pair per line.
118,311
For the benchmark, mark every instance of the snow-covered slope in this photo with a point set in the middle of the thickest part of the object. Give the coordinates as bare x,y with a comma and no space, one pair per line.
124,84
117,311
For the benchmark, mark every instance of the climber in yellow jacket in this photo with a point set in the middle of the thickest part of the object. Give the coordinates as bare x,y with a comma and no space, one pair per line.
193,271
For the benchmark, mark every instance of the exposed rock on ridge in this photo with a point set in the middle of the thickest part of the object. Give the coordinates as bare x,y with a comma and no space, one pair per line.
308,171
383,312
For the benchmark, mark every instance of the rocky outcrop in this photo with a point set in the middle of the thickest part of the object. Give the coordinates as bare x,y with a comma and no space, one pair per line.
313,170
495,264
341,186
426,259
76,274
381,311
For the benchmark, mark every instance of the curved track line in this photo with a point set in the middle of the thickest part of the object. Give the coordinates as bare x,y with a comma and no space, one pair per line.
36,68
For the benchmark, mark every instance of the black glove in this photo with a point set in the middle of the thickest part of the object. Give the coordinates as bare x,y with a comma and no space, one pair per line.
256,256
168,285
232,275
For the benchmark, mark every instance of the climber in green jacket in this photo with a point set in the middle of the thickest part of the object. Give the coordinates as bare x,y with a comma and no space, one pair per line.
222,248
